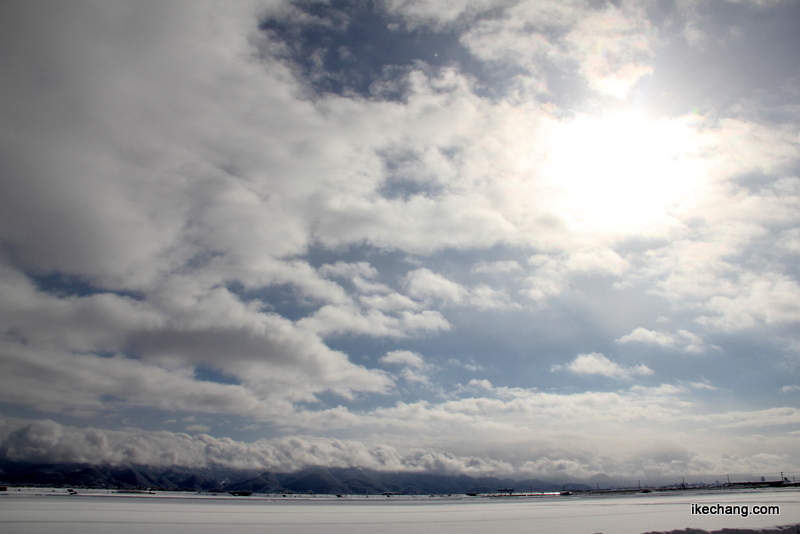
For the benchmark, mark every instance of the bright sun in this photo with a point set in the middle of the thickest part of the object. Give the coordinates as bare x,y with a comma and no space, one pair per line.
619,173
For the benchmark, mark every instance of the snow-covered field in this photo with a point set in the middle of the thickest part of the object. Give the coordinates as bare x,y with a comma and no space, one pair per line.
38,511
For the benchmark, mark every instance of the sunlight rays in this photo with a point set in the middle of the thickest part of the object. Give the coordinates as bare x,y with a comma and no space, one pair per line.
620,173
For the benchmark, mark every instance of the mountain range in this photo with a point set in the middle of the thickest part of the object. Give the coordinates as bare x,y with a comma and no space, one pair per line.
317,480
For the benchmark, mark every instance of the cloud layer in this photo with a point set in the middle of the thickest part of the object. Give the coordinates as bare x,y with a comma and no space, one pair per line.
466,236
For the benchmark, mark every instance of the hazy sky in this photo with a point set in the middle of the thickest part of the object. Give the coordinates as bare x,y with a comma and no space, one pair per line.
482,236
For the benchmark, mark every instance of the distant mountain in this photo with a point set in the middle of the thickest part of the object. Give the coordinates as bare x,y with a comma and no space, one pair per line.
318,480
321,481
264,483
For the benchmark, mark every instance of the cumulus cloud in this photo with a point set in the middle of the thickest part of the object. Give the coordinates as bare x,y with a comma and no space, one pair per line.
628,44
349,270
425,285
681,340
597,364
404,357
771,298
197,428
553,274
482,384
531,34
332,320
415,367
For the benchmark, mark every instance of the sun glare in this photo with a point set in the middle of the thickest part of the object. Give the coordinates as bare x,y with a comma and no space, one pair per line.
619,173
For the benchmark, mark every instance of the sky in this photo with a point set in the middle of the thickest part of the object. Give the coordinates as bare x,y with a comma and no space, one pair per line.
536,238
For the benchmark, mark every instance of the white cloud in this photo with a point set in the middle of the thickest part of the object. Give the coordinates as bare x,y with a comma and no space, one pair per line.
349,270
469,364
703,385
197,428
548,280
597,364
47,441
706,270
483,384
648,336
628,43
682,340
427,286
180,326
332,320
602,260
388,302
663,389
534,33
769,298
404,357
553,273
611,432
416,369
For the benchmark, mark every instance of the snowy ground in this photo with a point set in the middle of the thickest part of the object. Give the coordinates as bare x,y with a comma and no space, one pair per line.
38,511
